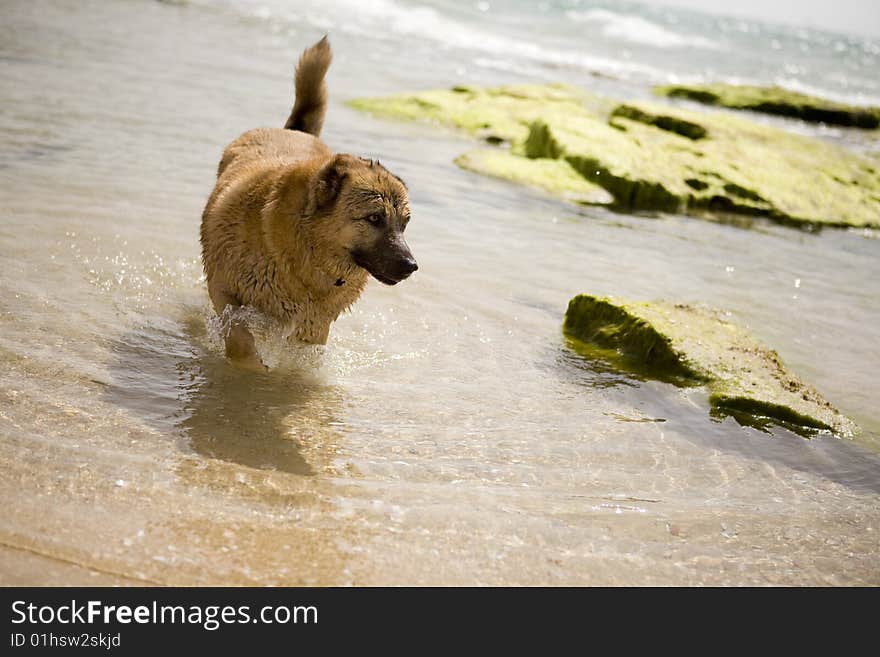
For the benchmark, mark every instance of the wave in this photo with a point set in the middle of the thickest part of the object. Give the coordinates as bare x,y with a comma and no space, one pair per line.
636,29
394,20
389,21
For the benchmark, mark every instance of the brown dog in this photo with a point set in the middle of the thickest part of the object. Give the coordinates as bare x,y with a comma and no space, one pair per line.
293,229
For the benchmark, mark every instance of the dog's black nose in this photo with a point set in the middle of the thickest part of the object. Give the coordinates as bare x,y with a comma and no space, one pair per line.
408,266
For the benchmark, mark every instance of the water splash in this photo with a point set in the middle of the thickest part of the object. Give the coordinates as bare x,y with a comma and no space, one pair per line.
273,339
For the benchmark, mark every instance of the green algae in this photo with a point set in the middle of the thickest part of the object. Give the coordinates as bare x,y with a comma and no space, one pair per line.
651,156
691,345
776,100
664,121
554,176
626,339
500,113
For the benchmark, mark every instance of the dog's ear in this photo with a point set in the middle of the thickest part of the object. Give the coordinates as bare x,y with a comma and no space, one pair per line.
325,185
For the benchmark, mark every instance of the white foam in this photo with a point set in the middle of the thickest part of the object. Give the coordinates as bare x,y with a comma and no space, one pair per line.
635,29
395,20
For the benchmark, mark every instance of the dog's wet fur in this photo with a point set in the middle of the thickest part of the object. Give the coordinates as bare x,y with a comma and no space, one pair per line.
296,230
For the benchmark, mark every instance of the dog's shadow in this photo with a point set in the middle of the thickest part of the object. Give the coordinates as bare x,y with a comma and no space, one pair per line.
166,374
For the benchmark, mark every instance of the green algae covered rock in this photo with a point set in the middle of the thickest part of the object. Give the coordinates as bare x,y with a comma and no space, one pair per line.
650,156
738,166
776,100
497,113
691,345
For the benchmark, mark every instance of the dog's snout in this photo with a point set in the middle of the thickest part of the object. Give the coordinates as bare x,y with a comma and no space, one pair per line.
404,264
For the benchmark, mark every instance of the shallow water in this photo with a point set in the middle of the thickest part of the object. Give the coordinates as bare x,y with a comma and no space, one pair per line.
447,434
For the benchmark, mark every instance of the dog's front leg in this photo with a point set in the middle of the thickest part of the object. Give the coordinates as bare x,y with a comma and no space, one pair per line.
240,346
313,332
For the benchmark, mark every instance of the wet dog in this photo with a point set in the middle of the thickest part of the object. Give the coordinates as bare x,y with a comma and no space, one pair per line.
295,230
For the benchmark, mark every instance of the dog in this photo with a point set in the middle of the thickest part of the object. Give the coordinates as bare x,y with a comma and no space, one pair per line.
295,230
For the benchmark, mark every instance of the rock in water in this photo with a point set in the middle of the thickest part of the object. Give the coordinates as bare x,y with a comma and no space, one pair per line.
691,345
650,156
776,100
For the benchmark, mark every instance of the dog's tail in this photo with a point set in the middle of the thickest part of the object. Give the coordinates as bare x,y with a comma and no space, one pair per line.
310,105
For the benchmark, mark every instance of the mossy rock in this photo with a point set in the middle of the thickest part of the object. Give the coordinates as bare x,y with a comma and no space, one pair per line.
650,156
501,113
691,345
776,100
738,167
